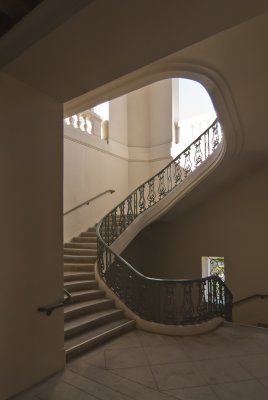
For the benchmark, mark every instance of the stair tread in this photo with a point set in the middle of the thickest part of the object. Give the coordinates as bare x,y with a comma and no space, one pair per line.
79,273
75,251
84,239
79,256
81,320
94,332
82,304
77,264
83,292
75,283
84,245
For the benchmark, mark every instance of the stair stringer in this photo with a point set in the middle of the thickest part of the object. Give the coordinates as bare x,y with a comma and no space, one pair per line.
146,218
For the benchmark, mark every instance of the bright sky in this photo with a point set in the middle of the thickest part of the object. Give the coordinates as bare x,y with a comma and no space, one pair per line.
102,110
193,101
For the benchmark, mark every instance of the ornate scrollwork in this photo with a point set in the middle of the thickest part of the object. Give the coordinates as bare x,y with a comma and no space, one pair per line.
161,187
151,195
177,172
215,137
142,202
198,157
187,163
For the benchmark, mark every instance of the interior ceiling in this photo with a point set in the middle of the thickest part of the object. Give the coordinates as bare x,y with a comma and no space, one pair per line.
98,41
12,11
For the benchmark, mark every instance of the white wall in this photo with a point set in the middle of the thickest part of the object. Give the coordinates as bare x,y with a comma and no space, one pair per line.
91,166
138,118
31,344
160,112
118,120
140,136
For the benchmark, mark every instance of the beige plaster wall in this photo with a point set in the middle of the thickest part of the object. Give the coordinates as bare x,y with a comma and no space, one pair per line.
118,120
160,112
138,118
31,344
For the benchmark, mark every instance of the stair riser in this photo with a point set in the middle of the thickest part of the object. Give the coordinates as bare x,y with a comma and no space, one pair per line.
80,252
81,286
79,259
89,309
73,352
86,276
78,267
86,246
100,321
84,240
86,296
88,234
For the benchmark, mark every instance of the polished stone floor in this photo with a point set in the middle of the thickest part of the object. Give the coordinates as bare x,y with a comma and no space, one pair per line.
227,364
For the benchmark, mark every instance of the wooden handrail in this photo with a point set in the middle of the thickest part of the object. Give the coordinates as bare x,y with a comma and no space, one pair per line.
88,201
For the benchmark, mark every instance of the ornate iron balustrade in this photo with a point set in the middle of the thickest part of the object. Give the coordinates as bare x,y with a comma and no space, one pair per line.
159,300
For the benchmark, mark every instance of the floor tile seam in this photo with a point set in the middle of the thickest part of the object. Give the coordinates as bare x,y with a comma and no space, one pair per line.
124,378
149,366
137,383
209,385
104,385
247,370
81,390
194,387
231,357
121,348
252,378
167,346
259,380
170,395
185,361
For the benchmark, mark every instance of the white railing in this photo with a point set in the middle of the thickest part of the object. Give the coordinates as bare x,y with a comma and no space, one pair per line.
89,123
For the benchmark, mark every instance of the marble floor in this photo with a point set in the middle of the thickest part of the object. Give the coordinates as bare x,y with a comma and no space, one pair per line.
227,364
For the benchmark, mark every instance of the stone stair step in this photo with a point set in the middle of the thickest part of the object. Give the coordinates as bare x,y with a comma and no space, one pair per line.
78,245
80,252
85,341
77,325
73,286
78,276
87,267
92,229
83,295
88,234
86,307
80,239
79,259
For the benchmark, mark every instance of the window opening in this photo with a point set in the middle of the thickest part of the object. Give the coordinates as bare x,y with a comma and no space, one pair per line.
213,265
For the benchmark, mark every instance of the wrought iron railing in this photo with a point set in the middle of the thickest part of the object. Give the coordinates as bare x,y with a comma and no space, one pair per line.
161,300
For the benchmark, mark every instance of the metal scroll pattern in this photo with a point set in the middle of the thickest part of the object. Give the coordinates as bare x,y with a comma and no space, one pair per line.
163,301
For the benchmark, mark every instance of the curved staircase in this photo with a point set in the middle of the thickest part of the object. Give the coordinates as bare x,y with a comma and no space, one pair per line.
168,303
89,317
